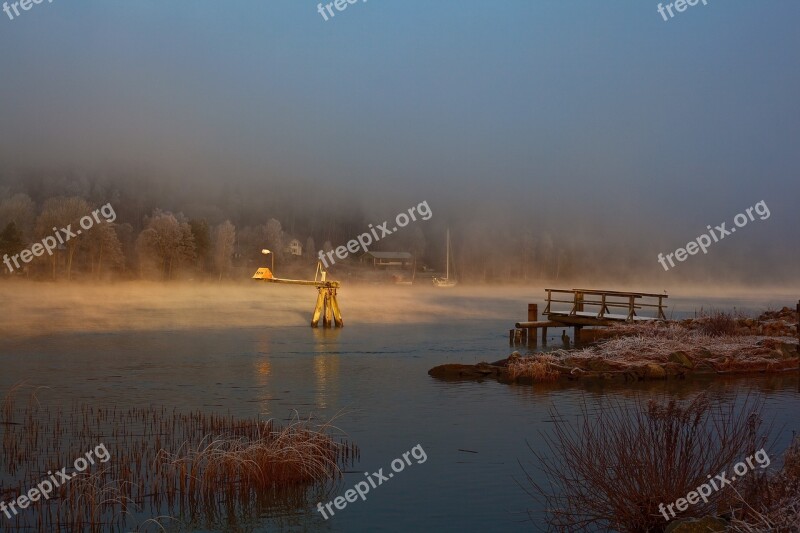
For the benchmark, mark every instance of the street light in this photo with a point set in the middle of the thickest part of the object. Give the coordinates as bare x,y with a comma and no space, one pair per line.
267,252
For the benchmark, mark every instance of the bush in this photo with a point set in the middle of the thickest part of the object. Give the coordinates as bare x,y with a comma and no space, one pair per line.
718,324
615,467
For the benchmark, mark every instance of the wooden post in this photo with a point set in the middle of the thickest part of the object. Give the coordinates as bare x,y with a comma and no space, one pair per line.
337,313
511,337
318,309
544,336
577,340
327,317
533,316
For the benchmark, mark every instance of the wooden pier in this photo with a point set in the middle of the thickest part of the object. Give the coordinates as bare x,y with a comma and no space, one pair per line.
586,307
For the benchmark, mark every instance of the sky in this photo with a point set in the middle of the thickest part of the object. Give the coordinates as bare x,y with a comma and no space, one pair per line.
597,120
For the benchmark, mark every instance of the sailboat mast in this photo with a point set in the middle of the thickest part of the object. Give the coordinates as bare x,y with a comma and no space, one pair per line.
447,276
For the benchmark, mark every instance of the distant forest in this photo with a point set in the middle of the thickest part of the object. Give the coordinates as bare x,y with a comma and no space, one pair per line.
165,230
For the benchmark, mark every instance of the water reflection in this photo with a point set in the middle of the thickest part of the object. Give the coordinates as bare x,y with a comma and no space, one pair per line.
263,369
326,367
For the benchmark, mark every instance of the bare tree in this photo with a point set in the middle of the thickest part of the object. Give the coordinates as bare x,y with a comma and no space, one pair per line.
310,249
11,241
275,236
104,248
202,240
20,210
63,213
222,247
166,241
251,241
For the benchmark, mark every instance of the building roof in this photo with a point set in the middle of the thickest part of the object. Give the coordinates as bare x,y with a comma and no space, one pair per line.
390,255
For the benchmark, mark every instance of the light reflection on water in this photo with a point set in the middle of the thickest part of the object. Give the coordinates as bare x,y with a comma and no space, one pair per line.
375,378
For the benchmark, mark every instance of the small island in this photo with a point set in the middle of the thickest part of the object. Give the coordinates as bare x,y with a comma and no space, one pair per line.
718,344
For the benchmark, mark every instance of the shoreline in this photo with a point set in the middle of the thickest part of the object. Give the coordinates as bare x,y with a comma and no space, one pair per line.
707,346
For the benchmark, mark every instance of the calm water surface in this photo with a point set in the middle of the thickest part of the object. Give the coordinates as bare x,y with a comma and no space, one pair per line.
374,377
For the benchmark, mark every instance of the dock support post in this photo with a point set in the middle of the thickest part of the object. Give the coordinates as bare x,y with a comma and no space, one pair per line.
577,339
511,337
533,316
327,308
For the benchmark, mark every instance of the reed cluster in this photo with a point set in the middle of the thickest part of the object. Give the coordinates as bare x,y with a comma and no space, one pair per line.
193,467
538,368
612,469
771,503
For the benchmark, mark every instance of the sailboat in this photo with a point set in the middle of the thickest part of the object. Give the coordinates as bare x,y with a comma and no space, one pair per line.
446,282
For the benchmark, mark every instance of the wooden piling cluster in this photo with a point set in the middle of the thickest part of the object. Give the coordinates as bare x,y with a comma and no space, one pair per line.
527,333
327,307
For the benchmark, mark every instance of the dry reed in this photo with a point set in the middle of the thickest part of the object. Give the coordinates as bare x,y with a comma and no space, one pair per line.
640,344
614,468
771,503
538,368
191,468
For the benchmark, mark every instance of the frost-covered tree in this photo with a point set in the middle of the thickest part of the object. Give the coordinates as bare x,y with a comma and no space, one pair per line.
104,248
223,243
63,213
20,210
166,243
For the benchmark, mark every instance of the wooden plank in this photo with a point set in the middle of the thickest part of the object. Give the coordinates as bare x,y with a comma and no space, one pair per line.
622,293
536,324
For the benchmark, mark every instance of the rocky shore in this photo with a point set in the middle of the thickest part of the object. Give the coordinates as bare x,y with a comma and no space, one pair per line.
716,345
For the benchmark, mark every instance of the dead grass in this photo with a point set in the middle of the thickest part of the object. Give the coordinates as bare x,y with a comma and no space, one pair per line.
772,503
718,324
656,342
612,469
538,368
201,467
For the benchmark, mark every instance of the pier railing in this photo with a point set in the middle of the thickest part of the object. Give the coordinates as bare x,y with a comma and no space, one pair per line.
605,301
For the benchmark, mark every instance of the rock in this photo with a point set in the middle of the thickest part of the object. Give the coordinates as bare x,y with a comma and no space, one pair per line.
598,364
457,371
504,362
789,351
704,353
655,371
775,354
674,370
682,358
700,525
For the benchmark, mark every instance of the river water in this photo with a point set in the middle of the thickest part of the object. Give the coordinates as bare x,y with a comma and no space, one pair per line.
373,378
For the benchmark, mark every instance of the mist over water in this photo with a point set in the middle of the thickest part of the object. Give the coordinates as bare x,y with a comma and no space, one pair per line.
146,306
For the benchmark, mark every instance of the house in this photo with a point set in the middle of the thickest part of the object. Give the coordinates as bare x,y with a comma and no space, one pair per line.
294,247
388,260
